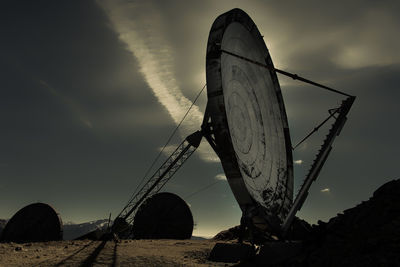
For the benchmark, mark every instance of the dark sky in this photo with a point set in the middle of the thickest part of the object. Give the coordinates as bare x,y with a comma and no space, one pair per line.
91,90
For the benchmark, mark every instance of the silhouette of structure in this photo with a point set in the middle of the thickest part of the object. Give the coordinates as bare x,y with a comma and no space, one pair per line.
163,216
34,223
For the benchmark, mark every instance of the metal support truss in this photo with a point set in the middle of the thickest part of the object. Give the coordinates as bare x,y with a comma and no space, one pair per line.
319,161
157,181
208,132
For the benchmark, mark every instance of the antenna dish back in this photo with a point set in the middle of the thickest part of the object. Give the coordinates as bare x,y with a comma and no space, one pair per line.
164,215
36,222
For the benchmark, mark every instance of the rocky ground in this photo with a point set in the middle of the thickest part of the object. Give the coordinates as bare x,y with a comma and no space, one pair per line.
100,253
366,235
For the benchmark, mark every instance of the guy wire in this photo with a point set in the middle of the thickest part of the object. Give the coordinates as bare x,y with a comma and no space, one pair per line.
166,144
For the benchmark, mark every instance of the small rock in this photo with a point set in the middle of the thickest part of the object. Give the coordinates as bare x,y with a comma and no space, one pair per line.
18,248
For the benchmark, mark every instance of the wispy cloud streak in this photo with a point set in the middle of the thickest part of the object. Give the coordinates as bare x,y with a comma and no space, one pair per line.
140,28
220,176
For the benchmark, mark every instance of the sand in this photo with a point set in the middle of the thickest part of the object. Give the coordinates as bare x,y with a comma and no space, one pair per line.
101,253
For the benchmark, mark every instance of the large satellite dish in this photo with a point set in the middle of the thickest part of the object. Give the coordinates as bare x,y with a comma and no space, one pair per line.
36,222
245,123
248,116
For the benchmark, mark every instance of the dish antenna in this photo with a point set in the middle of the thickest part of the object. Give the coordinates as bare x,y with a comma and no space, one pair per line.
163,216
245,123
37,222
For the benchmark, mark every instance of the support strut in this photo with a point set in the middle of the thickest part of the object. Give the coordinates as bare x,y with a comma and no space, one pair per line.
157,181
291,75
318,162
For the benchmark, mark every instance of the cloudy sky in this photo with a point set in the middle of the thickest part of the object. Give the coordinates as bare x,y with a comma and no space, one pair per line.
91,90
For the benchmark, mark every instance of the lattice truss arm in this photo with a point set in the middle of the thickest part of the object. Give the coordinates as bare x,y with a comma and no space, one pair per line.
319,161
161,176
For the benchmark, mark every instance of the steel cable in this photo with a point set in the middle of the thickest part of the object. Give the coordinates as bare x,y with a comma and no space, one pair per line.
166,144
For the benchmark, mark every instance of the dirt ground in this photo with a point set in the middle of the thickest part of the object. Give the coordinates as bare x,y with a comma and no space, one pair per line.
101,253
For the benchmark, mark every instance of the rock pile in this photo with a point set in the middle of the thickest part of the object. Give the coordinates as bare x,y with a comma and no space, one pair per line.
230,234
366,235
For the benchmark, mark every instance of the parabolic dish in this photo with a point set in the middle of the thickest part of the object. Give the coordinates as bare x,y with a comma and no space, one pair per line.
163,216
248,117
36,222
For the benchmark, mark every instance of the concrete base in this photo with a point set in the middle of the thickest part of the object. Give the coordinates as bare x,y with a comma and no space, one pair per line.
231,252
279,253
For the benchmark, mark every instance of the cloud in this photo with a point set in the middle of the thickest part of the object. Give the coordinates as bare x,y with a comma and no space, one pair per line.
140,27
325,190
358,36
168,149
221,177
206,152
298,162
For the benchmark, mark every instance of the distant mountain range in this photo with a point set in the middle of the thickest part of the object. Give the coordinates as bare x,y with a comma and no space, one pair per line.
73,230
